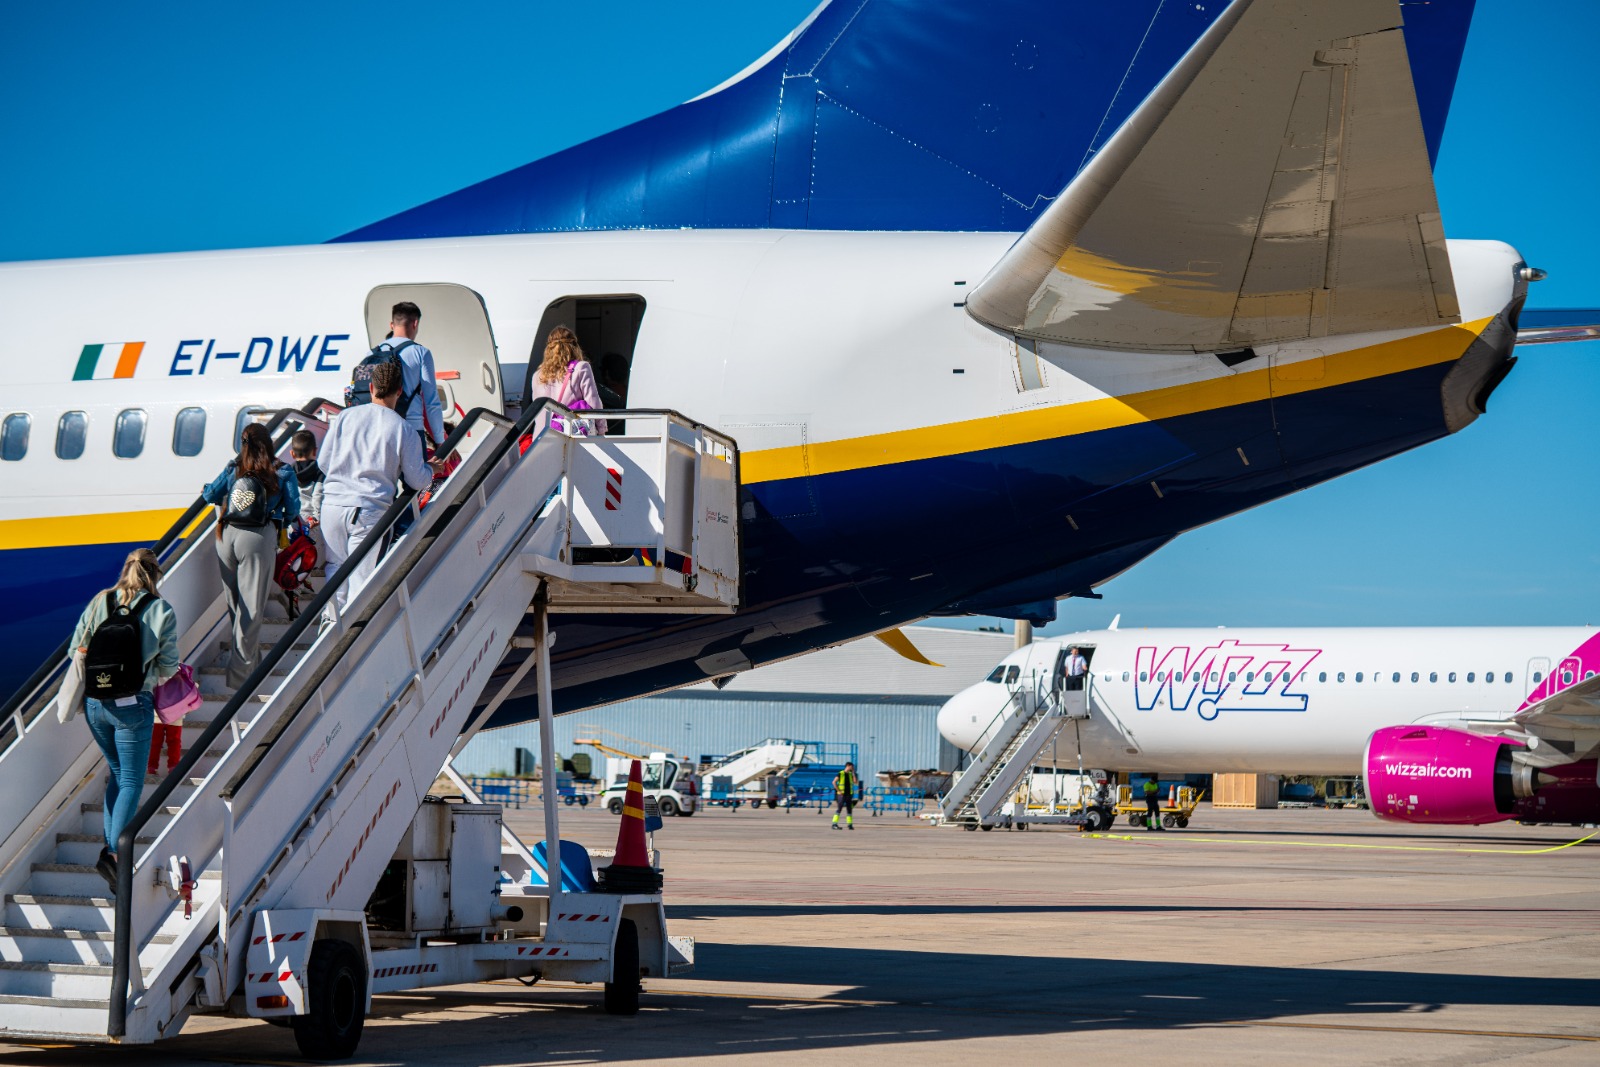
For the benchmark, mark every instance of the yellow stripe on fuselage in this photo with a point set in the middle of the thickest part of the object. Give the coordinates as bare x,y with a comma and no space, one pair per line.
923,442
109,528
1043,424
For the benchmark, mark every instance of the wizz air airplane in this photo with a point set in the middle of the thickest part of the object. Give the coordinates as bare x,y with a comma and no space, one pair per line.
1447,725
1099,275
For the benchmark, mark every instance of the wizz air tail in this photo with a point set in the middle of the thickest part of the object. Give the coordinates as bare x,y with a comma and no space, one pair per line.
889,115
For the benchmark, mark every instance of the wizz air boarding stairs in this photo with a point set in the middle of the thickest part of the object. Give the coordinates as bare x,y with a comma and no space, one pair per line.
1026,724
290,868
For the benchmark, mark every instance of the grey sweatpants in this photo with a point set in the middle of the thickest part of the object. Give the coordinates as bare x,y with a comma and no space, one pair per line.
345,528
247,557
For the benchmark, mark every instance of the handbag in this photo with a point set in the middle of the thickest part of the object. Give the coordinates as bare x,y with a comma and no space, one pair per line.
575,427
69,699
177,696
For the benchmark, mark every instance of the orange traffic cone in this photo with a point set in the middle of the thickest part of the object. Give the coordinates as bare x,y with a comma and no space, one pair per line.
630,870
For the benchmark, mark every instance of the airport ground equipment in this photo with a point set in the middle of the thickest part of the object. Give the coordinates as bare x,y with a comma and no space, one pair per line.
668,781
771,758
1022,728
247,873
512,792
1176,807
1344,793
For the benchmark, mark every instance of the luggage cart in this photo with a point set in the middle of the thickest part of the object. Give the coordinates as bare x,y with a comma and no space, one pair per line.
1176,808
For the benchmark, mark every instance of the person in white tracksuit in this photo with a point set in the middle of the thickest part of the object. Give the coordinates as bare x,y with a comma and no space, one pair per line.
366,453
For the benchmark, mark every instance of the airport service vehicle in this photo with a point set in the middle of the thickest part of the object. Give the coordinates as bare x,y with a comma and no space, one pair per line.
1446,725
668,780
1098,273
764,764
293,865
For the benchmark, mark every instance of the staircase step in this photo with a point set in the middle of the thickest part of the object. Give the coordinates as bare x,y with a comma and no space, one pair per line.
83,1018
74,981
85,848
45,910
61,945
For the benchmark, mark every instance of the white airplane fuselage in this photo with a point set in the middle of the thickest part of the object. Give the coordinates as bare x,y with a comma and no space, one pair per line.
870,409
1274,700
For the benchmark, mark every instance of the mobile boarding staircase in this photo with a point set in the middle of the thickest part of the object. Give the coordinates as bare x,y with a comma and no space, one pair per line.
1025,725
254,865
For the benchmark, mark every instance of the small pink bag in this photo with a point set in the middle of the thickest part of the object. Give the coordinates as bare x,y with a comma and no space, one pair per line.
177,696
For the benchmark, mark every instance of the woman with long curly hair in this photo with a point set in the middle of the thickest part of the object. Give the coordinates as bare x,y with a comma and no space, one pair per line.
257,496
565,376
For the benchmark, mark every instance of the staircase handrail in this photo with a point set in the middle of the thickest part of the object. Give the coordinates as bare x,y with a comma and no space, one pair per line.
122,923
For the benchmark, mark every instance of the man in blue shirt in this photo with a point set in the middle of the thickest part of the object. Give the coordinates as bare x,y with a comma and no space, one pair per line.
424,413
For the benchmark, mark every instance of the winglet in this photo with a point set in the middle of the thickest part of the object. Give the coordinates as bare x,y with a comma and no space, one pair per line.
897,640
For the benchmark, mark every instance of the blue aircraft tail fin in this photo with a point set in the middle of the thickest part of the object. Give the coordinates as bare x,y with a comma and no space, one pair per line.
887,115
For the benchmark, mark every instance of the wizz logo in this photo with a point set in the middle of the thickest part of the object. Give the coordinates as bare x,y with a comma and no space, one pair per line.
1226,676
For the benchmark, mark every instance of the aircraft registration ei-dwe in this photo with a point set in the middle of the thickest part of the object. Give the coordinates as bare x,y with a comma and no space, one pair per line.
1446,725
1231,282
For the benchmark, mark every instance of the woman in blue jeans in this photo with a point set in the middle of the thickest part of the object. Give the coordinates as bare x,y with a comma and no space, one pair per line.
121,727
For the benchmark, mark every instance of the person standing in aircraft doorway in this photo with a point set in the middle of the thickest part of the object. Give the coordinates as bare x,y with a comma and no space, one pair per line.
258,497
366,452
846,791
1077,668
565,376
423,413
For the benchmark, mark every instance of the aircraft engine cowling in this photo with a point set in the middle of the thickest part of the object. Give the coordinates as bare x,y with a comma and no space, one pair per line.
1425,774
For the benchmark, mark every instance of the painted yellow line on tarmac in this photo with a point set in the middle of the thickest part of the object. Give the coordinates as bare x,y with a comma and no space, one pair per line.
1176,836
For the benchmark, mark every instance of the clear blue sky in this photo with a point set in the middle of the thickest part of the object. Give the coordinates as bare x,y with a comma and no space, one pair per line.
133,128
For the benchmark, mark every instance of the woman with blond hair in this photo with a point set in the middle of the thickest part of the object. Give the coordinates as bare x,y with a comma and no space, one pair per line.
566,377
129,637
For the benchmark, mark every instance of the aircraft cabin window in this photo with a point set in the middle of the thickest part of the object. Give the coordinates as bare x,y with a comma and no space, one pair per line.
1124,676
1566,677
14,436
1249,676
1358,676
1323,676
127,440
1470,675
189,432
1213,677
1233,676
1452,676
1013,674
1538,676
1489,676
1144,676
1397,676
996,675
1339,677
1414,677
70,432
246,416
1433,676
1509,677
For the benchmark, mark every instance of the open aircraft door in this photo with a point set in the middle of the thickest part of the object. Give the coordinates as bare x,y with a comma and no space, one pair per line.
455,326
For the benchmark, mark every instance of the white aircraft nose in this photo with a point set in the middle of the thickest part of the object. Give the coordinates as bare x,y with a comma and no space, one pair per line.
962,718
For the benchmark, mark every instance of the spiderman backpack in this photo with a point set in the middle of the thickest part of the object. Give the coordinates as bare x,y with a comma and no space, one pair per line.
295,563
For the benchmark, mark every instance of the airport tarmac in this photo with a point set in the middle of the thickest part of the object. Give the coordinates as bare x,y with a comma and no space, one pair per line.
1303,936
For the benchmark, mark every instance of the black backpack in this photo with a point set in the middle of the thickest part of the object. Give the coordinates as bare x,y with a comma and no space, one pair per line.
359,390
247,503
114,666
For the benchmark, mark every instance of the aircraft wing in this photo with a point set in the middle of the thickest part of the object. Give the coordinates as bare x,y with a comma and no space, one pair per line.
1274,186
1569,719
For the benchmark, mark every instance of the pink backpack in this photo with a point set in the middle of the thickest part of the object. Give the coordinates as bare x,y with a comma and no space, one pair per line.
177,696
579,427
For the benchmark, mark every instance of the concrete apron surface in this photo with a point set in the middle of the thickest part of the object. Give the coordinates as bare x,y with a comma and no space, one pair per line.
1303,936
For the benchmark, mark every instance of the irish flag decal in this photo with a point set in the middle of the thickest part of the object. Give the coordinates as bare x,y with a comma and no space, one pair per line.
116,360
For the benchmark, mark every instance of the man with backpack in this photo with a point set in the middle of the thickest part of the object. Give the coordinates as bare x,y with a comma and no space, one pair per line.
367,451
418,402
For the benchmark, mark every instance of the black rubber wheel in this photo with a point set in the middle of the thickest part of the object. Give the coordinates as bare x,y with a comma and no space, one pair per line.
985,827
686,812
1169,821
614,805
1136,820
336,996
583,802
772,802
1094,820
668,807
1183,821
622,992
970,827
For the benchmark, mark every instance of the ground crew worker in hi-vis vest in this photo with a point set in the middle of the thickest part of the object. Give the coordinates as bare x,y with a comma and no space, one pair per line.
846,791
1152,805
